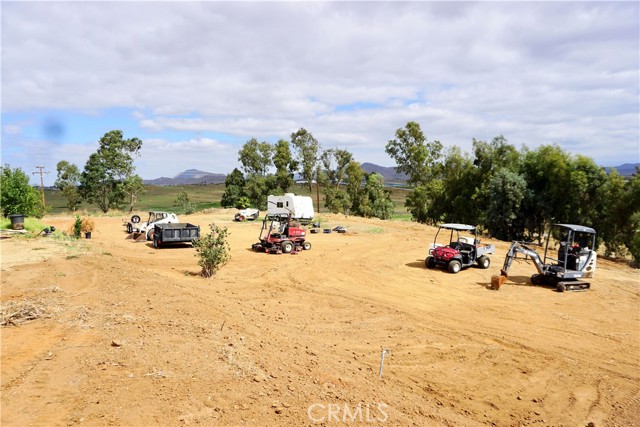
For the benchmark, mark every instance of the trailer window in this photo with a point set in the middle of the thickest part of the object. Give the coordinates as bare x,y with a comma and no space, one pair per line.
280,204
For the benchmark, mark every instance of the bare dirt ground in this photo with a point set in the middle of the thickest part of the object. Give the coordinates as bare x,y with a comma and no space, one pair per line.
132,336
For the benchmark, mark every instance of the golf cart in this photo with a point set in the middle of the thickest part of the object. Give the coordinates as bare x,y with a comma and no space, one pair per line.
460,251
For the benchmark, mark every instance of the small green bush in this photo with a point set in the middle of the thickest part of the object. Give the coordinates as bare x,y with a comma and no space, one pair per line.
184,203
212,250
77,227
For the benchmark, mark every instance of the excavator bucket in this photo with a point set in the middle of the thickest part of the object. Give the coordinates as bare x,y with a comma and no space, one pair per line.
497,281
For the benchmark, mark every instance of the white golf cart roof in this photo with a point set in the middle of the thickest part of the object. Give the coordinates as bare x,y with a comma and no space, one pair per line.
578,228
459,227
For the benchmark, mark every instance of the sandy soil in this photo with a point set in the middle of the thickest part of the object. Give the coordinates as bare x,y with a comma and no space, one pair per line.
134,337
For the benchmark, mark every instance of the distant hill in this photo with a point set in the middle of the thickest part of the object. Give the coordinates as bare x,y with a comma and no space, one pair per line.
626,169
389,173
189,177
195,176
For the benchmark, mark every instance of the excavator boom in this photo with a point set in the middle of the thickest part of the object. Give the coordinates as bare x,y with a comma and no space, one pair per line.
520,247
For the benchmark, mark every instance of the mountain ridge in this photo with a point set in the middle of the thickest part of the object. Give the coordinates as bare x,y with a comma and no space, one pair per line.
390,174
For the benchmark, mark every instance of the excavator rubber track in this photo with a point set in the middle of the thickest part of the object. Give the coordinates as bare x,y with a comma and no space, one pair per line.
573,286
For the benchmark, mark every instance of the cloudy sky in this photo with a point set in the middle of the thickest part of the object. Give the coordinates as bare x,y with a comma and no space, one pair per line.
196,80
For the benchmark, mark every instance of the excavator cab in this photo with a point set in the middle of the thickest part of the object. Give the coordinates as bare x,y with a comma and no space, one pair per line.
575,251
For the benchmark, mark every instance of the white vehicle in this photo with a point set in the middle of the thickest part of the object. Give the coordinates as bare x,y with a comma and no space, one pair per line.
146,228
299,207
249,213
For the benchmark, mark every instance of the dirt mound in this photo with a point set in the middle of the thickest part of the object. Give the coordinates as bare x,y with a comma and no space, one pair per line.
133,336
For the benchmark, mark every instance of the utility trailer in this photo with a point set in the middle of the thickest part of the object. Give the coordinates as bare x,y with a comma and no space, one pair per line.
575,258
164,234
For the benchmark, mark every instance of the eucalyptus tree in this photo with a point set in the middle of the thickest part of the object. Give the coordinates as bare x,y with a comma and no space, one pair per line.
107,169
307,154
233,189
68,181
285,165
420,160
256,157
334,165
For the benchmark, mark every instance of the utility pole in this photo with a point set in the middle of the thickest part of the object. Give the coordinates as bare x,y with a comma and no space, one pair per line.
41,171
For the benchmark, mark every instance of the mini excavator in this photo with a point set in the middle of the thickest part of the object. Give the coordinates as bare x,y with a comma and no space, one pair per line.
575,259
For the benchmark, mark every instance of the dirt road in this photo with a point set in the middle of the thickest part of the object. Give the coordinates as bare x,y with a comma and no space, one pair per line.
132,336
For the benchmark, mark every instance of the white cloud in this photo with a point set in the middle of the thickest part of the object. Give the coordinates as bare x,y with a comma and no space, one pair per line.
536,72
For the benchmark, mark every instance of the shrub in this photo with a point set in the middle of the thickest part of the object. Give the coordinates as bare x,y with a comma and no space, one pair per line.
77,227
243,203
16,195
87,225
185,203
212,250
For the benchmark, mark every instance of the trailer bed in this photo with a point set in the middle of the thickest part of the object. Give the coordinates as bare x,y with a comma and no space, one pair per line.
175,233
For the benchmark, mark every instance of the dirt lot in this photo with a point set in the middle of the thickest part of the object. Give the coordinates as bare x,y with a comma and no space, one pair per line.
132,336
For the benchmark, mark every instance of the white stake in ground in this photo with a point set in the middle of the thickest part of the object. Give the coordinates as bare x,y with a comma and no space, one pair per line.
384,353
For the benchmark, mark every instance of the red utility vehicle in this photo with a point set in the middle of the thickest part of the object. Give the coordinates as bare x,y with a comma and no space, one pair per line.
281,235
460,252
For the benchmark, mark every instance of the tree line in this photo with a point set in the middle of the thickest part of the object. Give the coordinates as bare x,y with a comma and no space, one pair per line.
271,168
516,194
512,194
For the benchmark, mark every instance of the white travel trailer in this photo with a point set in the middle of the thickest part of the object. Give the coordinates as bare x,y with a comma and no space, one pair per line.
300,207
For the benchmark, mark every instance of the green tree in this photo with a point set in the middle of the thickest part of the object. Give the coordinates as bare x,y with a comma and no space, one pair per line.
307,149
414,155
133,187
422,202
184,202
547,173
616,215
420,161
336,200
495,155
285,165
630,216
258,188
335,162
489,158
16,195
611,229
67,182
355,177
107,169
212,250
256,157
504,212
379,203
233,189
586,178
453,200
